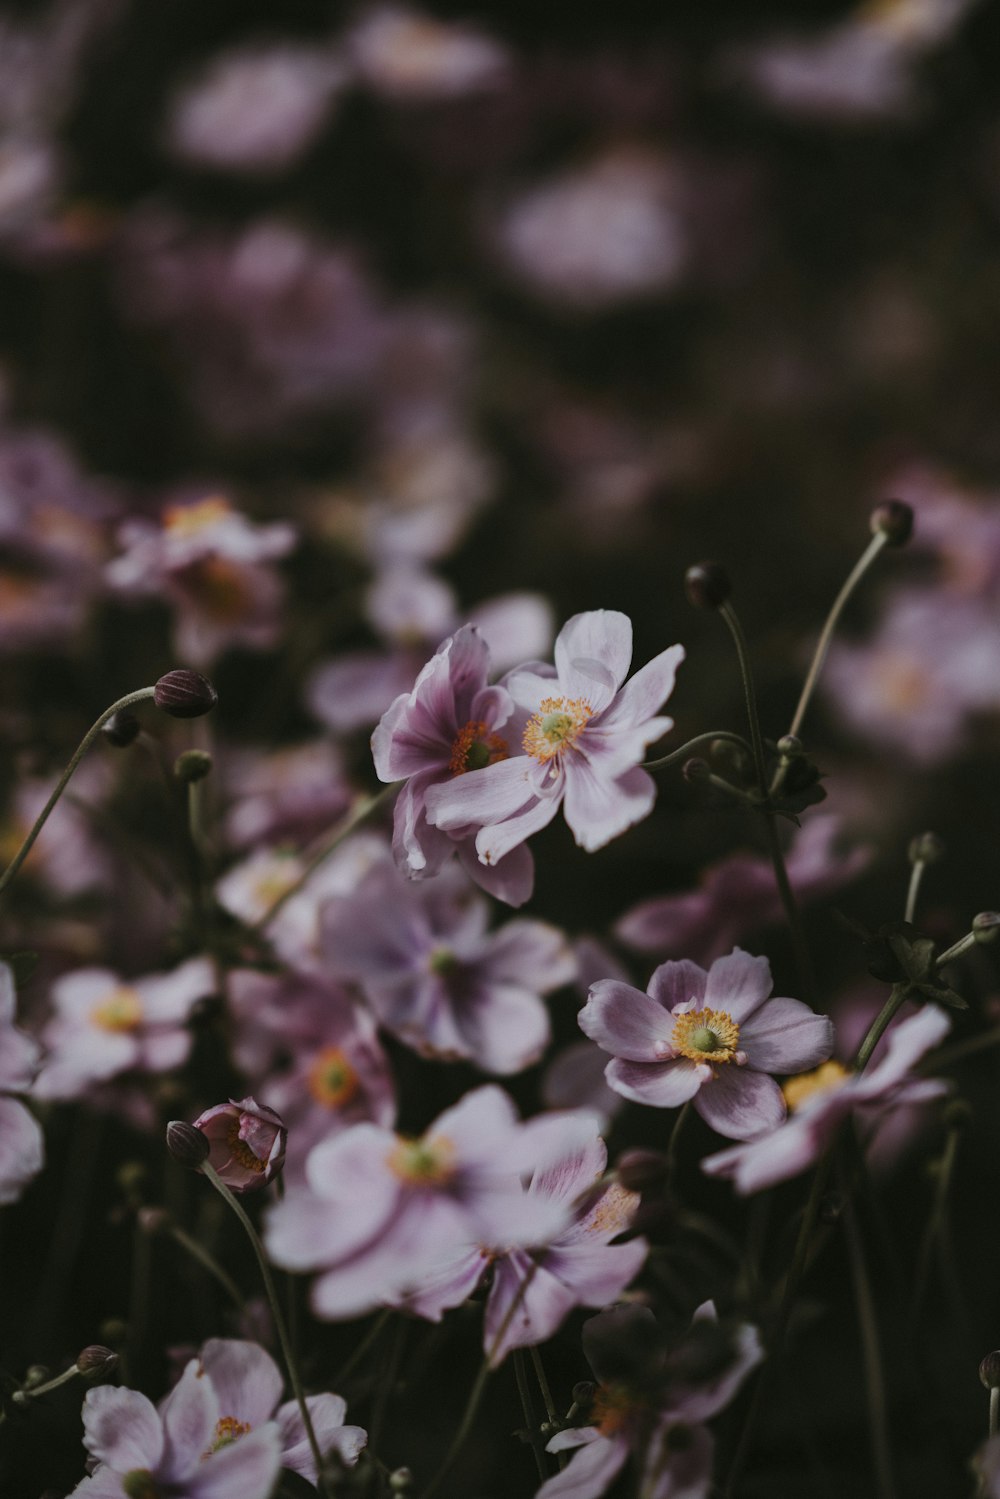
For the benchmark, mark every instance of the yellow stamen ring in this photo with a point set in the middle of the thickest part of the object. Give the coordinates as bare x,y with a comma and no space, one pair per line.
332,1080
474,747
241,1151
705,1036
808,1084
120,1010
555,727
428,1162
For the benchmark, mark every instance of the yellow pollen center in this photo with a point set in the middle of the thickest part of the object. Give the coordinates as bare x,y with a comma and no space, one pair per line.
555,727
332,1080
428,1162
475,747
241,1151
705,1036
188,520
227,1429
613,1212
275,882
121,1010
220,586
807,1084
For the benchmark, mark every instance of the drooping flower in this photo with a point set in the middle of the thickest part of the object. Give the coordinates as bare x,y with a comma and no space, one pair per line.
247,1142
379,1211
712,1037
22,1150
534,1288
105,1025
437,979
582,735
821,1101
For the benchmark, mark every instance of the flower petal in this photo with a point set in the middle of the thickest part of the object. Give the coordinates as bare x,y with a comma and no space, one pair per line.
661,1085
741,1104
597,808
121,1428
244,1470
590,1471
245,1378
626,1022
738,984
645,692
189,1415
785,1036
682,983
593,653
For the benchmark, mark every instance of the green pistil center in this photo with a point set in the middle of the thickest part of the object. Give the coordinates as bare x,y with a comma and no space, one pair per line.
442,960
478,755
703,1040
557,726
138,1484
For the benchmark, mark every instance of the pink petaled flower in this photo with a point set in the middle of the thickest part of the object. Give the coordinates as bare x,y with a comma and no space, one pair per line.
22,1150
582,737
246,1142
105,1025
820,1102
710,1037
534,1289
445,731
380,1210
219,1434
437,979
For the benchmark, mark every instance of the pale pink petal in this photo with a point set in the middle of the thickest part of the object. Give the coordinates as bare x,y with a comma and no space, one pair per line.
598,809
525,1306
104,1484
244,1470
19,1056
785,1036
626,1022
905,1045
596,1272
447,1283
303,1231
531,953
704,1400
245,1377
680,983
567,1151
504,1027
741,1104
22,1149
776,1157
661,1085
682,1470
590,1472
189,1415
168,998
497,842
575,1079
511,879
480,1124
121,1428
593,653
645,692
327,1414
482,796
738,984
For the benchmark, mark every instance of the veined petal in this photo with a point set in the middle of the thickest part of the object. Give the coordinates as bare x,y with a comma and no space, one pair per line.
661,1085
738,984
625,1022
682,983
499,840
644,693
784,1035
597,809
741,1104
526,1304
244,1470
189,1415
590,1472
245,1378
594,651
121,1428
482,796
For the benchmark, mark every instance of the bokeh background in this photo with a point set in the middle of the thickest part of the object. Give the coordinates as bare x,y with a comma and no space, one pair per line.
518,310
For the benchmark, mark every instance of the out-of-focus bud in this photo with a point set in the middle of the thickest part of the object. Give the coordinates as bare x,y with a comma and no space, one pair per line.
695,770
121,728
186,1144
986,926
185,694
96,1361
789,747
639,1170
152,1221
583,1392
926,848
957,1114
401,1481
193,765
894,520
707,585
989,1370
245,1142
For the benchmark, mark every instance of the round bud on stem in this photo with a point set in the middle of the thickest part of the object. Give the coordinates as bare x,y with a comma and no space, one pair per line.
187,1145
695,770
193,765
639,1170
926,848
583,1392
96,1361
986,926
989,1370
185,694
401,1481
789,747
152,1221
894,520
121,728
707,585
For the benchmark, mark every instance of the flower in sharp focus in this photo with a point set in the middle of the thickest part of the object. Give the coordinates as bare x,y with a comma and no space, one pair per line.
582,735
711,1037
821,1101
247,1142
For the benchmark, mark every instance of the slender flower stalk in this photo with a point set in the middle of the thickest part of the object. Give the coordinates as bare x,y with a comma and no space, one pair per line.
198,1252
711,737
535,1439
213,1176
874,1371
128,701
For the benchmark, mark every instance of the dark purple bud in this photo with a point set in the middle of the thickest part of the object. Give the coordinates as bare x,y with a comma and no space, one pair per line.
187,1145
989,1370
695,770
185,694
986,926
926,848
121,728
894,520
193,765
639,1170
96,1362
707,585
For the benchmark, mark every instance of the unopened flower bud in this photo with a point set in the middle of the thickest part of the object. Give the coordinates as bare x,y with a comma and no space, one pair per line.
957,1114
185,694
639,1170
695,770
187,1145
894,520
401,1481
789,747
986,926
926,848
193,765
35,1375
989,1370
707,585
114,1330
583,1392
245,1142
96,1361
152,1221
121,728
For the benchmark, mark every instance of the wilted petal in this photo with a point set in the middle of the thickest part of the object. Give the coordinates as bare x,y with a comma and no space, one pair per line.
625,1022
741,1104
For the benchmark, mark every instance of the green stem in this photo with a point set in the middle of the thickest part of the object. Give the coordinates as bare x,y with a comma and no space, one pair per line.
936,1222
198,1252
880,1025
874,1373
674,1141
213,1176
21,1397
685,749
357,815
956,950
864,562
129,701
530,1417
366,1342
916,875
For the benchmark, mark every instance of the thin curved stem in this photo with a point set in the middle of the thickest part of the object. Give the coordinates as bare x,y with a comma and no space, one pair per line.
871,1347
129,701
913,890
862,565
685,749
213,1176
